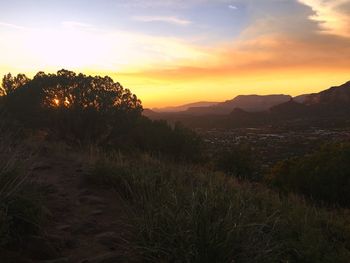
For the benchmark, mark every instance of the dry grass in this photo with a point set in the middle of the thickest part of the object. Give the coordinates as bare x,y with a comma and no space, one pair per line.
20,209
185,214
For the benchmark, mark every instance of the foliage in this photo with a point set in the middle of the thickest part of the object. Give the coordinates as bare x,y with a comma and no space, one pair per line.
76,107
10,83
184,214
322,176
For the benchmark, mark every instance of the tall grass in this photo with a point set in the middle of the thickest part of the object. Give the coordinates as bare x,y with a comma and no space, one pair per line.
186,214
20,211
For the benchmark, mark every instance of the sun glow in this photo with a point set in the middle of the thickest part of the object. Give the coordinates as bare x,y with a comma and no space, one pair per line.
56,102
169,60
66,102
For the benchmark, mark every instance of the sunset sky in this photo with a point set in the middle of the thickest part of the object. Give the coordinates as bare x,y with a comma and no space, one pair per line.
171,52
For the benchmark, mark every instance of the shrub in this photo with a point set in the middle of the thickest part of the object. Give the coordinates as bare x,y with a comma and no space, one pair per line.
178,142
323,175
236,161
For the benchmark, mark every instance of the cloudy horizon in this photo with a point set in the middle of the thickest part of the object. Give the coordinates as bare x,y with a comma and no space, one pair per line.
173,52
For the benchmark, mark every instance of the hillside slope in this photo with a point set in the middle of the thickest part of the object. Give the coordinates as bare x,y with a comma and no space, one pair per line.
140,209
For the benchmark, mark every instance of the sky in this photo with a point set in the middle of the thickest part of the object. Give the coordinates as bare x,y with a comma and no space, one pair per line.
172,52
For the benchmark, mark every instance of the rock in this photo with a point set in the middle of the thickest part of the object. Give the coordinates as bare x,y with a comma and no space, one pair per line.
39,248
105,258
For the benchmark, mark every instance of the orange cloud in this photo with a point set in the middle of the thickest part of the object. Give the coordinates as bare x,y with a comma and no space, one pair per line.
265,54
267,64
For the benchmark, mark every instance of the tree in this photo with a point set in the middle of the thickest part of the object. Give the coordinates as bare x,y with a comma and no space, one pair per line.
10,83
85,109
76,107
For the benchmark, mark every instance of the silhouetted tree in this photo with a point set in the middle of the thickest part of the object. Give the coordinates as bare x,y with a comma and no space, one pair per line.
76,107
10,83
85,109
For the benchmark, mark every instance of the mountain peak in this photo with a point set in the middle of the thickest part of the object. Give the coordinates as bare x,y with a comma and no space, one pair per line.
334,95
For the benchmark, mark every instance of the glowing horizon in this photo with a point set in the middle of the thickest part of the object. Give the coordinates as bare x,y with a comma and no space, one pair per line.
175,52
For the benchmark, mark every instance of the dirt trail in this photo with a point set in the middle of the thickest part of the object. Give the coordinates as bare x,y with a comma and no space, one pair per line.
86,224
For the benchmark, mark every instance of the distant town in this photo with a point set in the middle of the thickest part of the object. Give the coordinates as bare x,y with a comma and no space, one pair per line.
271,145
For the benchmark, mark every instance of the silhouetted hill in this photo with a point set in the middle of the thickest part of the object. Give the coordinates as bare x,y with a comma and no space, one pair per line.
334,95
330,103
185,106
327,108
255,103
149,113
250,103
301,98
289,109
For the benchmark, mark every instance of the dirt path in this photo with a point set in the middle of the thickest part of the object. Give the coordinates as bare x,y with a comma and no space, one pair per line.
86,224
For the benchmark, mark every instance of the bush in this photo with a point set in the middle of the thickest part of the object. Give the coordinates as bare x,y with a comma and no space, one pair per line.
236,161
321,176
178,142
182,214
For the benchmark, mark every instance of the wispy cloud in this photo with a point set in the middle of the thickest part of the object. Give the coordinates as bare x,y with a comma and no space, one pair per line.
166,19
9,25
233,7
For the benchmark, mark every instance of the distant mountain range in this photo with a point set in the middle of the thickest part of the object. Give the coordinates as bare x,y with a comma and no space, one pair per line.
251,103
329,107
185,107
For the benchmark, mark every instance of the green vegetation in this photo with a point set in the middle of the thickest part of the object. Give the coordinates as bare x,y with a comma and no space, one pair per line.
187,214
322,176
